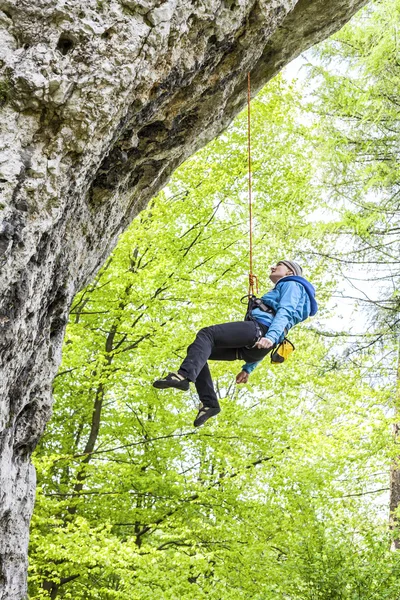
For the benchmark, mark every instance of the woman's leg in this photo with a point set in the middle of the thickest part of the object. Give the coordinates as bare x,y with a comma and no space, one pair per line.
204,384
209,405
226,335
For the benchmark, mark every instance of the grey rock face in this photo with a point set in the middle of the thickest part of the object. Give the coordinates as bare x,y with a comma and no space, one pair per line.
100,101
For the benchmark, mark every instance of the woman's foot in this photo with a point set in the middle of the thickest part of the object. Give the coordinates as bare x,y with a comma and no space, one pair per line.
172,380
205,413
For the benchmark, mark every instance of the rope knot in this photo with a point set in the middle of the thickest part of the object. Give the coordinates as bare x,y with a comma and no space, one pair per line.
253,283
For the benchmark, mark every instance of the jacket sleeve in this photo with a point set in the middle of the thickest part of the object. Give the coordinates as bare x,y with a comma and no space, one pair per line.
291,293
249,367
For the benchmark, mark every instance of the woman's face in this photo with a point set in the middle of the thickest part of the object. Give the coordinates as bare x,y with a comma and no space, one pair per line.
278,271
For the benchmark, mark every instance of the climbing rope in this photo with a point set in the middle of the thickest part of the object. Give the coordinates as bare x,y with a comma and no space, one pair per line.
253,279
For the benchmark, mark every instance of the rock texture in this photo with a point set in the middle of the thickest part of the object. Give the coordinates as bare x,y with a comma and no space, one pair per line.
100,101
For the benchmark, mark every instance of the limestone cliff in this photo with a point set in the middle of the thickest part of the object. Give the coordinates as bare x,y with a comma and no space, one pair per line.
100,101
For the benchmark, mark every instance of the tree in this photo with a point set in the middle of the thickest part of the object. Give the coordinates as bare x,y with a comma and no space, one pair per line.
356,106
272,499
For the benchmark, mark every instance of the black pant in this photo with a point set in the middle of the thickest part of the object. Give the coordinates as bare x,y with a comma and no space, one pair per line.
227,341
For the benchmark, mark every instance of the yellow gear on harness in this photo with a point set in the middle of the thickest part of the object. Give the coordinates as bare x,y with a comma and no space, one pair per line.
282,352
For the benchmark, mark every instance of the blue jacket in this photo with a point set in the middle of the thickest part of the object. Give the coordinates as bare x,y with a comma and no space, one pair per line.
293,300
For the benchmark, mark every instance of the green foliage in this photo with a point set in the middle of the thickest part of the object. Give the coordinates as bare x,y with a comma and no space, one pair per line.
282,496
356,110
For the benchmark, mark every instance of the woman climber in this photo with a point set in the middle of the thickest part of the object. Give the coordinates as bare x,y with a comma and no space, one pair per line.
291,301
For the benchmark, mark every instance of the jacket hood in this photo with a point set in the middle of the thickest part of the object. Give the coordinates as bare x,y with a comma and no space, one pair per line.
310,289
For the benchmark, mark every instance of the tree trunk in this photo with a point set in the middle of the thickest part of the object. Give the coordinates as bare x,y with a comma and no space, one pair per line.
101,100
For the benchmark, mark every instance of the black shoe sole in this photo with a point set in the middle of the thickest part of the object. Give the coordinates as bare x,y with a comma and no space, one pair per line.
211,412
161,384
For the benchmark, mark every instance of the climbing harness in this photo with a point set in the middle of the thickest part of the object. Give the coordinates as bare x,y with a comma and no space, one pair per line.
254,302
281,351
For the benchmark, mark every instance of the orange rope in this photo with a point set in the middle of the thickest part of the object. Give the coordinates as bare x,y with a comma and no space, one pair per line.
253,280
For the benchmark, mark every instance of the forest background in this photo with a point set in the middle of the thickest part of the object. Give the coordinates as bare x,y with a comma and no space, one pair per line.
287,493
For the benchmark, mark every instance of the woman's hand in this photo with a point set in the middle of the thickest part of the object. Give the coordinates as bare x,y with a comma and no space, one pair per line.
264,343
242,377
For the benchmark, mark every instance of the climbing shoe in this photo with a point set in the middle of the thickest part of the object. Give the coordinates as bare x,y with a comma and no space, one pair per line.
205,412
172,380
